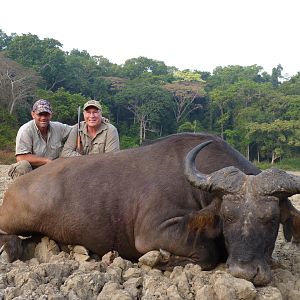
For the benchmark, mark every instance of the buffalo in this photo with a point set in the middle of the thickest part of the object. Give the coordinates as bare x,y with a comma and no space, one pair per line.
200,208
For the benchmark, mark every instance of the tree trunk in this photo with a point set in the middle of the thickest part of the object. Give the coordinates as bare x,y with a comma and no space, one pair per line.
118,112
222,125
210,116
222,131
248,152
13,98
273,158
141,132
144,131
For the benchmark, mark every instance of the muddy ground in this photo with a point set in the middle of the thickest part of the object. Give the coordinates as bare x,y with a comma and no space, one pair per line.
55,274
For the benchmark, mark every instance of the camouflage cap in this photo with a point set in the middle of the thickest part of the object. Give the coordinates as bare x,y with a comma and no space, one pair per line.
42,106
94,103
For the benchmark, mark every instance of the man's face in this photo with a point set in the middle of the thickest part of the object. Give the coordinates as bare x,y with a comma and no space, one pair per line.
42,119
92,116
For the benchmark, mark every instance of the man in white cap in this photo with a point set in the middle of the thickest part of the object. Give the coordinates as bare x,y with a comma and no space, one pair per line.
38,141
95,134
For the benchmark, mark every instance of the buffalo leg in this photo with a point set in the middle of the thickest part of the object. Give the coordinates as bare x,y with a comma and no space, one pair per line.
192,238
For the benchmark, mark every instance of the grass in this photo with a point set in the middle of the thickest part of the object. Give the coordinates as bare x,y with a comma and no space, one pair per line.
288,164
7,157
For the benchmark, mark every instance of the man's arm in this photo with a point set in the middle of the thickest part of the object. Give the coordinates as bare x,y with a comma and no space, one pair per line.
112,142
69,149
33,159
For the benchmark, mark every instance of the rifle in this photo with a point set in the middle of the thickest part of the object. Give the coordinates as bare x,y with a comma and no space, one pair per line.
78,130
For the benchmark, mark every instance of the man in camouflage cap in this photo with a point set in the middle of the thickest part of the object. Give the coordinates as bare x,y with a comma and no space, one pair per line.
38,141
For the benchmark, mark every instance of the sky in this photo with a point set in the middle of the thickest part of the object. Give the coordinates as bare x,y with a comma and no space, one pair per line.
188,34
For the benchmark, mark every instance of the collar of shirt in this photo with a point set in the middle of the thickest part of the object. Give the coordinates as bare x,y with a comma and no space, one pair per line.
39,132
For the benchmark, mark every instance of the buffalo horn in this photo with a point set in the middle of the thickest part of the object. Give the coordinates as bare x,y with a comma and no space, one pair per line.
278,183
221,182
196,178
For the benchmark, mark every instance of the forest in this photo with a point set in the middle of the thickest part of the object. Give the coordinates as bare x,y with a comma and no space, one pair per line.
256,112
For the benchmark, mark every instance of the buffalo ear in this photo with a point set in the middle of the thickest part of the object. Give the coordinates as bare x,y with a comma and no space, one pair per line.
207,221
296,228
290,219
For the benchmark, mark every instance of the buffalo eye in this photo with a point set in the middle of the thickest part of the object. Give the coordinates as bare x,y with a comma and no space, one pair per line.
269,220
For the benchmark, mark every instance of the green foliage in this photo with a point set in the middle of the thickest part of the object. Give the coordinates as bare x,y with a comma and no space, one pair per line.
128,142
85,75
194,126
44,56
147,102
292,86
65,105
5,40
30,51
274,139
287,164
187,76
136,67
276,75
8,130
7,138
232,74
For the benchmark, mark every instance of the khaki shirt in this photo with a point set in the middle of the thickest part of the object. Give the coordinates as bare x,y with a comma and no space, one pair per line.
30,141
106,140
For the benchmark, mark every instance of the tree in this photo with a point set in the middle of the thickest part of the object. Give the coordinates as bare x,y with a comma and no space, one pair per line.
231,74
53,68
29,50
44,56
276,75
277,136
221,98
186,89
146,102
185,94
136,67
5,39
115,84
292,86
194,126
84,75
17,83
8,130
64,104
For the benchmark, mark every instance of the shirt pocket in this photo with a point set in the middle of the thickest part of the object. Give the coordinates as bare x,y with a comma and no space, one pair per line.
55,150
98,147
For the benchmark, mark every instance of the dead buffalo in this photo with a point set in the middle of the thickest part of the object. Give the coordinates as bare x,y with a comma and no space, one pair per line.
139,200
